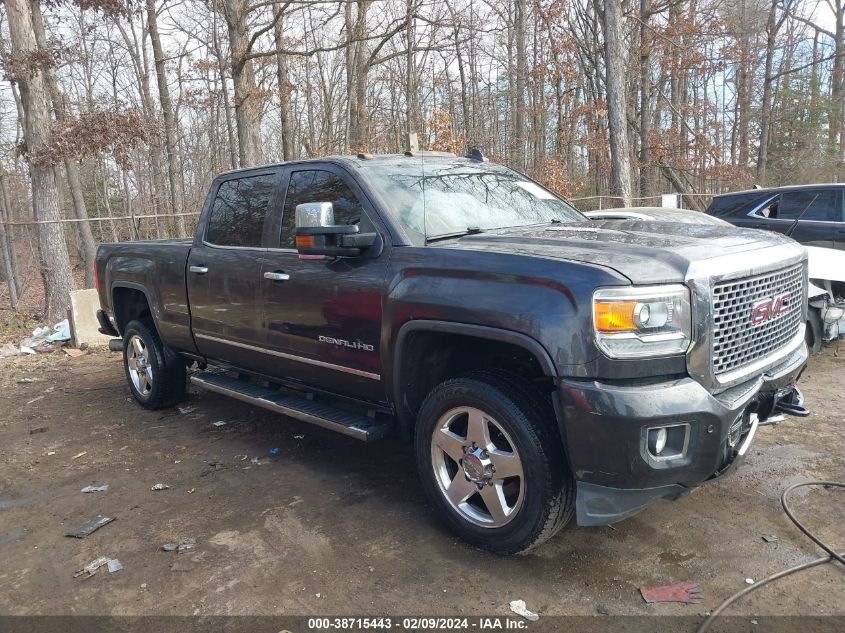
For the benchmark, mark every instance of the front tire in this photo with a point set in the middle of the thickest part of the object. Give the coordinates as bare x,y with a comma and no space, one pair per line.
156,375
492,462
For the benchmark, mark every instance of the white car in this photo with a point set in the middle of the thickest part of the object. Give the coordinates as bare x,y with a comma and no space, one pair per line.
656,214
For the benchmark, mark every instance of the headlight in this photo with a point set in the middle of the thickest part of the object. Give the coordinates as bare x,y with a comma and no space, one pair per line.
639,322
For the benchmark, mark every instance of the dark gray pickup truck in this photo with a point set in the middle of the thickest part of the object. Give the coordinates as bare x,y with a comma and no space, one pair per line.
544,365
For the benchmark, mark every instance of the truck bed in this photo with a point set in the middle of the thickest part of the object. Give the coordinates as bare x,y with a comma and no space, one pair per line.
152,266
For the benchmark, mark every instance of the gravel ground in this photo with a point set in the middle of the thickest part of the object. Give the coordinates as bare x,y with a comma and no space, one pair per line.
330,525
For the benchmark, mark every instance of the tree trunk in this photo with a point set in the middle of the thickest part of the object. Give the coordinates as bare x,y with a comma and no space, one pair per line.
6,245
176,205
645,102
224,89
766,104
285,87
247,102
357,73
83,227
617,117
52,245
837,90
517,150
412,106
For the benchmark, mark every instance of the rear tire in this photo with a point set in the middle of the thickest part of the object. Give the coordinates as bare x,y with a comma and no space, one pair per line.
156,375
492,462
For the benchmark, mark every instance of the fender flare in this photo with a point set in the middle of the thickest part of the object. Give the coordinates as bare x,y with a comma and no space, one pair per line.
449,327
131,285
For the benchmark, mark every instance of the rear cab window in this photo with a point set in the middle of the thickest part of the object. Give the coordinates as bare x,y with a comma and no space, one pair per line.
239,211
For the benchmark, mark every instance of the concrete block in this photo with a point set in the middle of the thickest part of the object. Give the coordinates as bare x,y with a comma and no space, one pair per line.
83,319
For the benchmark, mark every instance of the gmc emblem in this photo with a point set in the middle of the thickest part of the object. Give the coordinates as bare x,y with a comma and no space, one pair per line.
768,309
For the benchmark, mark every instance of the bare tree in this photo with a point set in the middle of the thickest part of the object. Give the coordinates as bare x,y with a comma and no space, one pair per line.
30,77
169,118
617,111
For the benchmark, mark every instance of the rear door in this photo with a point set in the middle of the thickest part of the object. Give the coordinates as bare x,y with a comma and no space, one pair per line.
323,317
224,267
766,214
818,213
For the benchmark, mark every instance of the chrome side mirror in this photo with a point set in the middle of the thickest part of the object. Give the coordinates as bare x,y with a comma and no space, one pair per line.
314,214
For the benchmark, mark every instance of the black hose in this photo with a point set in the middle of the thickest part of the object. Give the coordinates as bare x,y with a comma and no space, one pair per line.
832,554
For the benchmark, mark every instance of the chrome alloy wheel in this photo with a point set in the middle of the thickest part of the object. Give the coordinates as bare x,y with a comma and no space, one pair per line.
477,467
140,371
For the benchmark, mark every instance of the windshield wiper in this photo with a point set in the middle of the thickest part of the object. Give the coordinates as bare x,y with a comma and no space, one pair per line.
470,230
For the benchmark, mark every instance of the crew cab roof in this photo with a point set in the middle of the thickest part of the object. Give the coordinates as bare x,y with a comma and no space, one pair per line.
357,160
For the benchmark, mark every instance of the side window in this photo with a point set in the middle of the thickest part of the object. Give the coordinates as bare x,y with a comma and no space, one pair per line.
770,208
811,204
317,185
239,210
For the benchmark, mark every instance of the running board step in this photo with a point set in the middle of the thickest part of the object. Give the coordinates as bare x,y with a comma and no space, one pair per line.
358,426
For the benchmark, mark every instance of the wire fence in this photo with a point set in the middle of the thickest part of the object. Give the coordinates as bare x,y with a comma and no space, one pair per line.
109,218
584,203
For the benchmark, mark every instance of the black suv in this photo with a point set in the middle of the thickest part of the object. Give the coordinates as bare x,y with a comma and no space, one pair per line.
810,214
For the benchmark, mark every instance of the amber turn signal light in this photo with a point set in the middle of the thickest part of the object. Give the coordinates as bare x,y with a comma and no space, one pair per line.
305,241
615,316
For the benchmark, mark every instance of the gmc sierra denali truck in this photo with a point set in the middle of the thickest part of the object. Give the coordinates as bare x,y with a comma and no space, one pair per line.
543,365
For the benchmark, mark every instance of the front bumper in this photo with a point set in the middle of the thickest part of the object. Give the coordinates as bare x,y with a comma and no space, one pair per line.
604,423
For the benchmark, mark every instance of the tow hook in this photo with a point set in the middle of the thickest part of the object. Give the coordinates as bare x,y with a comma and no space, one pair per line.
788,401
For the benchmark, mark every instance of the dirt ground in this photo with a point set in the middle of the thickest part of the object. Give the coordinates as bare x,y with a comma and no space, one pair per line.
330,525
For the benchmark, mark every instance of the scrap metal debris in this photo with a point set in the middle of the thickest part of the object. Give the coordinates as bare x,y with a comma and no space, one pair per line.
160,487
78,455
90,526
38,429
186,410
182,546
518,607
684,592
769,538
219,423
93,567
102,488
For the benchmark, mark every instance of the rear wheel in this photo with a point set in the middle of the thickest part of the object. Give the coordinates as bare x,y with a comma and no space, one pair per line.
492,462
156,375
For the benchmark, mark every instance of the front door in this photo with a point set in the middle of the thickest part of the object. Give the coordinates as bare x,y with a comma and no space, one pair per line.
323,318
224,268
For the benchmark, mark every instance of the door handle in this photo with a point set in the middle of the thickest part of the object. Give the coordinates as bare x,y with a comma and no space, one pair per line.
200,270
277,276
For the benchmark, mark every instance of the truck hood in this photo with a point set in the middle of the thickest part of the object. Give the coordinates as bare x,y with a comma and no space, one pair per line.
643,251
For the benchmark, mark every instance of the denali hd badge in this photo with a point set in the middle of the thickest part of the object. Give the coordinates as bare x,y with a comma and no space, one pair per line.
768,309
344,343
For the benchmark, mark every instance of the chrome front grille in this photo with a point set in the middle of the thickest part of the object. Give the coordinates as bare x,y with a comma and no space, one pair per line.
737,341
